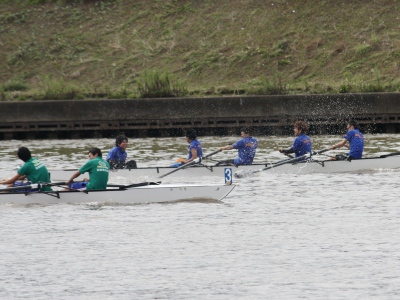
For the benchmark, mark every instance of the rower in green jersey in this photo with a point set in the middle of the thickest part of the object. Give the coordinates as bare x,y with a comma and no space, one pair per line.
33,170
98,170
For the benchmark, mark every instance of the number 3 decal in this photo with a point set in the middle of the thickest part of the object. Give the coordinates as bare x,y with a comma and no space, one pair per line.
228,176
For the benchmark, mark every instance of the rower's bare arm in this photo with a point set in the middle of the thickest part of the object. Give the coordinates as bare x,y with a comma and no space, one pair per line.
76,174
194,156
12,179
229,147
341,144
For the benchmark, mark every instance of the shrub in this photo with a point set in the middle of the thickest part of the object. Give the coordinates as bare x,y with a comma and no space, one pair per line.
157,85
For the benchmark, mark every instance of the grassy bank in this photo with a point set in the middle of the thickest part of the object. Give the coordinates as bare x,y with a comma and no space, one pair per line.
107,49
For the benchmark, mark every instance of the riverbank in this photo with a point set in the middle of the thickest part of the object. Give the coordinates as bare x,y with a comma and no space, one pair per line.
101,49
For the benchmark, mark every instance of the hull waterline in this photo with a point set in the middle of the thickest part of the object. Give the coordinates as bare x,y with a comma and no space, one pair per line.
144,194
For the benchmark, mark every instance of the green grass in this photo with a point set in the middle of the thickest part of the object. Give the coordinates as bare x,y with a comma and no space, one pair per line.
106,49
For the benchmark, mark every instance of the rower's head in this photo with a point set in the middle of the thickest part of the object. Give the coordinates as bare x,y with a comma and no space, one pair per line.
352,125
300,127
244,132
24,154
94,152
121,141
191,135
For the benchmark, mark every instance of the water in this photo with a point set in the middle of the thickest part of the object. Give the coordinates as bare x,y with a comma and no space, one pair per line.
314,236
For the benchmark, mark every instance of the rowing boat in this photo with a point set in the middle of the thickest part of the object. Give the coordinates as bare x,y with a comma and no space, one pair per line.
124,194
196,171
313,166
341,166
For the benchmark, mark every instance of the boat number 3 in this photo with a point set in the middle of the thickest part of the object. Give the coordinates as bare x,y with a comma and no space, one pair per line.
228,176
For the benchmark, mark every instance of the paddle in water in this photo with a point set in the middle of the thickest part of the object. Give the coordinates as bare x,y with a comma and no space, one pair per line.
250,173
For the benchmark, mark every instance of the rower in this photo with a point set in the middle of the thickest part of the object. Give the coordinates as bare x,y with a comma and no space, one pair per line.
302,143
33,170
246,147
116,157
194,149
98,170
356,141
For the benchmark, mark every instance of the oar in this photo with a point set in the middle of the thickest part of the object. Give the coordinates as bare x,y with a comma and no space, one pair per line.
64,185
195,161
22,187
391,154
247,173
53,183
125,186
31,186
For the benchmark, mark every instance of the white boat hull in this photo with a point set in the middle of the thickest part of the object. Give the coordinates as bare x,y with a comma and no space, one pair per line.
331,166
143,194
391,162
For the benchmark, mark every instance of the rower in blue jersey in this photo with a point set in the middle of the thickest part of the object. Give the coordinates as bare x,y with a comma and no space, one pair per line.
302,143
116,157
194,149
356,141
246,147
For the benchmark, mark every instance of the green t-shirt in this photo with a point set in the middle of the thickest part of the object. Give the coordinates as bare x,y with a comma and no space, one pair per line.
36,172
98,170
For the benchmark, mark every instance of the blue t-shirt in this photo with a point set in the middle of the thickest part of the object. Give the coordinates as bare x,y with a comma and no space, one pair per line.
246,151
356,140
301,145
117,154
195,144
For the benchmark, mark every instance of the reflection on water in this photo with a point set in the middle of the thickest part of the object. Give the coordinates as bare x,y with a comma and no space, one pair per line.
313,236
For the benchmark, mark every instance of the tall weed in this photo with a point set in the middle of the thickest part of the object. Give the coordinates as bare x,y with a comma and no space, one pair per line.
54,89
157,85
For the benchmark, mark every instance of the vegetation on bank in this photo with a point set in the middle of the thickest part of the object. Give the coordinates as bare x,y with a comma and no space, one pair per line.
80,49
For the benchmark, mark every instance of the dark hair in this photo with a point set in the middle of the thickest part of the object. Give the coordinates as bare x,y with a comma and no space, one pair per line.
353,123
119,139
191,134
301,125
246,130
95,151
24,154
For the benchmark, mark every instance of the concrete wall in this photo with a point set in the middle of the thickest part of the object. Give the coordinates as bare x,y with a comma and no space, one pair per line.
208,112
176,108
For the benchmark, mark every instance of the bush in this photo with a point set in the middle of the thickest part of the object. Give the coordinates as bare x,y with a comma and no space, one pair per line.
157,85
14,86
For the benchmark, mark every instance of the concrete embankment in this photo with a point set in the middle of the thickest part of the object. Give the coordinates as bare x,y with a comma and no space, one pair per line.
376,112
